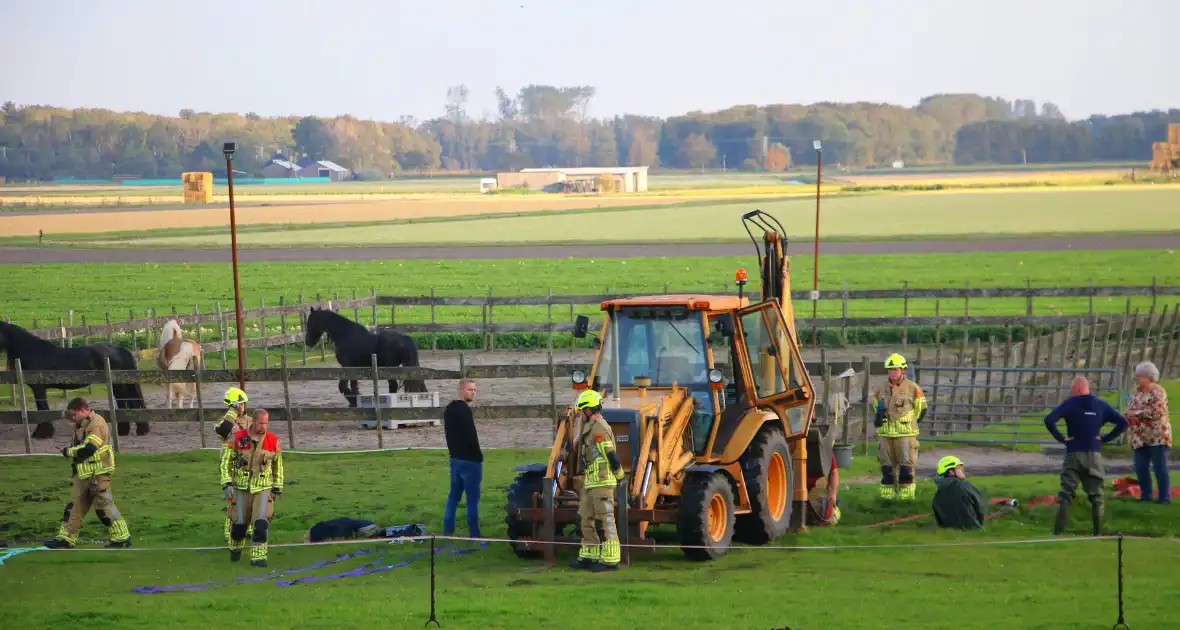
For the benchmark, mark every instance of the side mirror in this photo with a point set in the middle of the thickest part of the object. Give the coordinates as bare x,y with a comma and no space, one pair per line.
581,325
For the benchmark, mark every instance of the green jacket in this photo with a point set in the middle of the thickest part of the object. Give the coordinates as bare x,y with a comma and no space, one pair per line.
958,504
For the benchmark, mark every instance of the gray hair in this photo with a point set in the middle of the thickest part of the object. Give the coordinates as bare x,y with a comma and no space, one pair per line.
1148,369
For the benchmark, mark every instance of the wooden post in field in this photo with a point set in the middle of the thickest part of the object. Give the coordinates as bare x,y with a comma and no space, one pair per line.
114,421
373,297
377,403
844,314
287,399
24,405
960,361
283,325
933,400
134,333
356,310
200,365
85,342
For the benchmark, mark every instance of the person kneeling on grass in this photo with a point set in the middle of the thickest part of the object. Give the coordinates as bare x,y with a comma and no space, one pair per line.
957,504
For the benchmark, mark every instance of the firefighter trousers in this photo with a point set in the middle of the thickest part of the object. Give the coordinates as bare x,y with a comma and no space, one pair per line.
251,509
597,505
229,521
93,492
898,457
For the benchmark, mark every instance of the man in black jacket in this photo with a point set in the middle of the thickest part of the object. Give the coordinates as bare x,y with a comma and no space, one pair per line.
466,459
957,504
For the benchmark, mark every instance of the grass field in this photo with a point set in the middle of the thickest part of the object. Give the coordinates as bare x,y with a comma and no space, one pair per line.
46,292
902,215
172,500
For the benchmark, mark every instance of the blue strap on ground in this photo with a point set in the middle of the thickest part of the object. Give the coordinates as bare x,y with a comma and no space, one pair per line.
12,553
368,569
248,579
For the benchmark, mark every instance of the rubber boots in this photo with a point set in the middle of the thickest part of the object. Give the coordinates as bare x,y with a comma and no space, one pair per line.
1096,517
1062,516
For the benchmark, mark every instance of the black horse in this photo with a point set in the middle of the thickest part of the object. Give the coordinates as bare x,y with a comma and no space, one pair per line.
355,346
37,354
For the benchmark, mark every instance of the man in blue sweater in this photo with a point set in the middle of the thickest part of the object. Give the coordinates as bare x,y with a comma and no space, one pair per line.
1084,414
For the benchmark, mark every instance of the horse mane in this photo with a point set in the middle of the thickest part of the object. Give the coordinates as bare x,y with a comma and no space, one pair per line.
18,339
337,320
169,332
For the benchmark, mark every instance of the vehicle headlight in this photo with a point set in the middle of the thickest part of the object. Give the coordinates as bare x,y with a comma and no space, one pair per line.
578,377
715,376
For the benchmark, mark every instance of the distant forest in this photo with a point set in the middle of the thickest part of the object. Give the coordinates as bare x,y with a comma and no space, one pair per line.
548,126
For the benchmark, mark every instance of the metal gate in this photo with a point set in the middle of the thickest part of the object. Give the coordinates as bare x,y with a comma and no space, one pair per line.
998,405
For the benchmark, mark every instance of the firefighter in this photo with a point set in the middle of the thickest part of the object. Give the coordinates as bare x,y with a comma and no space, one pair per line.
900,406
601,473
235,419
93,461
252,476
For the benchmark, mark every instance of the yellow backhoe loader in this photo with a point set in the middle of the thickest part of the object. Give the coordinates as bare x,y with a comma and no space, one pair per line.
711,407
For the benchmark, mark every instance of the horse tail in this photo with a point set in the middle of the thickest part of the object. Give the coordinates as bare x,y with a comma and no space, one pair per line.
131,394
409,355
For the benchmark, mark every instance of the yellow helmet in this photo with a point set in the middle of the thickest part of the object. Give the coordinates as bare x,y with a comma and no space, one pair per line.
589,399
234,396
895,361
948,463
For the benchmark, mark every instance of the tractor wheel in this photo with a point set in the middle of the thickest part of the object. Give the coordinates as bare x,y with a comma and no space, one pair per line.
770,475
520,495
706,518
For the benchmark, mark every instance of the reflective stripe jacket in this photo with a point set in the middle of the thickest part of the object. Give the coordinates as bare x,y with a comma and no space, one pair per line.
596,449
91,451
904,406
253,465
229,424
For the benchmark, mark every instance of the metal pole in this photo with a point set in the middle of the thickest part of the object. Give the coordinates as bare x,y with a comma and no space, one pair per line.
233,235
819,170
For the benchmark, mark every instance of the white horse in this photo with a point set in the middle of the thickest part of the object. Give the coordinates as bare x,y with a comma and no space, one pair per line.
178,353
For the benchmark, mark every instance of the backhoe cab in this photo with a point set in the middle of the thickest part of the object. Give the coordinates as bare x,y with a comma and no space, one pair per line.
710,404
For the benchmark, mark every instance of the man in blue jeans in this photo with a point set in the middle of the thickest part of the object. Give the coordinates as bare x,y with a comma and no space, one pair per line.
466,459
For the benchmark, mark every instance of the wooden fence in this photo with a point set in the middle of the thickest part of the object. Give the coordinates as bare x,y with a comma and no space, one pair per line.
291,316
289,412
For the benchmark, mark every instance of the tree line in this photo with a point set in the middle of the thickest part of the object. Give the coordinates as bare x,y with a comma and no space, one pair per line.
544,125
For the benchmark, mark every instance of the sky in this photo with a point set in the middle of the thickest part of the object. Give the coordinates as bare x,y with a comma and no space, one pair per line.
385,59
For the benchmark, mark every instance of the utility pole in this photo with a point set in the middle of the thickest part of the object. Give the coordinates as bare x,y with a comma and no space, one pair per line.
819,171
229,149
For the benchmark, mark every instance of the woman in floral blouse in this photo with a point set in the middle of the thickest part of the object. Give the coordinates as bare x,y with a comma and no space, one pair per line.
1150,431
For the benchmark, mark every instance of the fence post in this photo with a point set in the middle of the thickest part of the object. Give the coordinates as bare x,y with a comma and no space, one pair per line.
552,393
223,332
199,364
987,381
287,399
106,367
1008,357
373,297
905,312
866,403
971,387
491,321
433,322
934,388
303,327
262,330
377,402
844,314
549,318
24,405
1168,347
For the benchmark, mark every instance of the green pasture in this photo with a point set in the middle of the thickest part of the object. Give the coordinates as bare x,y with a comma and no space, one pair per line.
46,292
878,216
173,501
